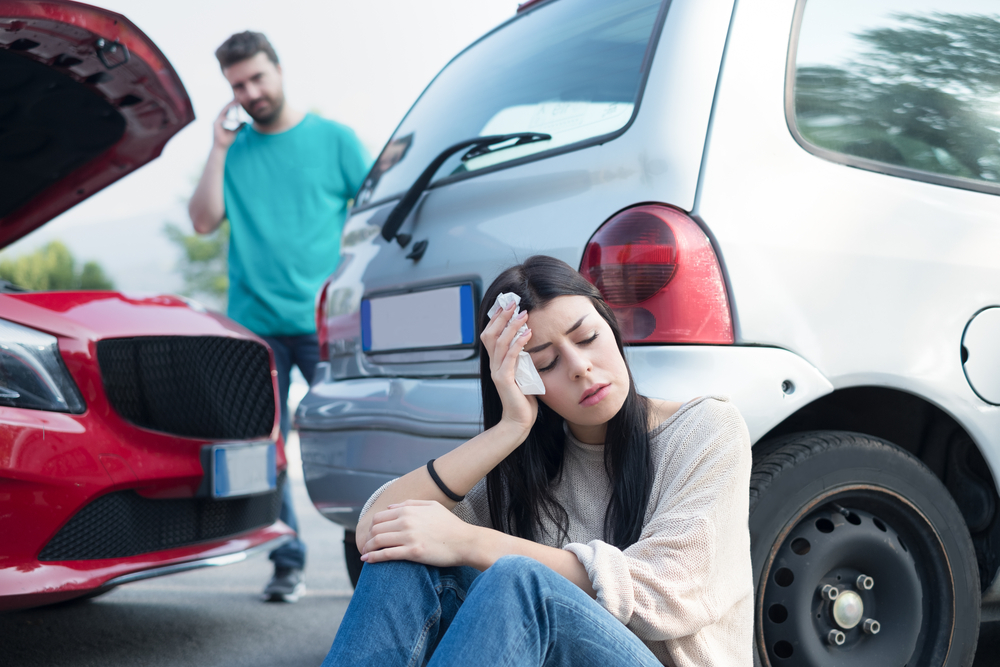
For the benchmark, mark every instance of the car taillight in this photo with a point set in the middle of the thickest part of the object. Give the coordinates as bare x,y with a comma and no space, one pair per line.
338,314
322,329
658,271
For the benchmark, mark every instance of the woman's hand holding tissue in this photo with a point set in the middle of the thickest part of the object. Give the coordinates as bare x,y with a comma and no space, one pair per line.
526,375
504,343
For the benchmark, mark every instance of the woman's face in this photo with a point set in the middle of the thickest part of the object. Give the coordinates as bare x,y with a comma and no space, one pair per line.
585,377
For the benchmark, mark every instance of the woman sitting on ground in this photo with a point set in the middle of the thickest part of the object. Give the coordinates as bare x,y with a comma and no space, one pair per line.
598,527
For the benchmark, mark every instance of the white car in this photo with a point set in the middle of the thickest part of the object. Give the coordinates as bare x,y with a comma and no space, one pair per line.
791,203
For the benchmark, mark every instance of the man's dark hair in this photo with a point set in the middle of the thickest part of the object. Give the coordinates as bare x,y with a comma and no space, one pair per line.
244,45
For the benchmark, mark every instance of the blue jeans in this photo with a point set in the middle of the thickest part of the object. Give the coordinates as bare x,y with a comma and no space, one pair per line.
518,612
302,351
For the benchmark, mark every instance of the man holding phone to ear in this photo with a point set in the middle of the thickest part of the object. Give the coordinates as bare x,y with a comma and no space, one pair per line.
284,183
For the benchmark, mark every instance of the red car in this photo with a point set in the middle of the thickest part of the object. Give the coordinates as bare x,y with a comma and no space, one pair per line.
138,436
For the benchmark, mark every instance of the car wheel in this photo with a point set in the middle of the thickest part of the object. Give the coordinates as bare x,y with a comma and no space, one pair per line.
860,557
353,557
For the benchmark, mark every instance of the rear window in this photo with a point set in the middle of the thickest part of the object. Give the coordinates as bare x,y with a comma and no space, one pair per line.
570,68
906,87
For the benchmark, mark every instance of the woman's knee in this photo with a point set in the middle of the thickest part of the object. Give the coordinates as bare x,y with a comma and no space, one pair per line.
517,571
516,565
395,567
393,573
399,576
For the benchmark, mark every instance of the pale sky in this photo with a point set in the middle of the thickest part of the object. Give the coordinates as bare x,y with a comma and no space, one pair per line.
359,63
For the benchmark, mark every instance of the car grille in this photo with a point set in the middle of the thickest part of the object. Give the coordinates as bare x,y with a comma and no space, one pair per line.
124,524
193,386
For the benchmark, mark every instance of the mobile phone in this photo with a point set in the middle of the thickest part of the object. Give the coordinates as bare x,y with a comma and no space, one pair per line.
235,118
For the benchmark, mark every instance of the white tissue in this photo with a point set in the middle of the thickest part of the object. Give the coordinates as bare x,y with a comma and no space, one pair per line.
525,375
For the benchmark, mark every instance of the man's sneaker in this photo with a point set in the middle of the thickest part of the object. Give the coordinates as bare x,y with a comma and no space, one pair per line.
286,585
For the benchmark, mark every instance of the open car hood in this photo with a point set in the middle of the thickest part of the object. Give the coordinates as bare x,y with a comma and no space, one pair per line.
85,99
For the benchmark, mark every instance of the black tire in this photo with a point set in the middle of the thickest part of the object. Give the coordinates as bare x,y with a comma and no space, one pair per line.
826,507
353,557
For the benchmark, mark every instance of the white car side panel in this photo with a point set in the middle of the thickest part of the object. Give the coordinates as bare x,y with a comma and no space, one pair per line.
752,378
872,288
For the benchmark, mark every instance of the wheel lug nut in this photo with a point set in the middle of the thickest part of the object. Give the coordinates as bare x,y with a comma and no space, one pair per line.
828,592
836,637
871,626
864,582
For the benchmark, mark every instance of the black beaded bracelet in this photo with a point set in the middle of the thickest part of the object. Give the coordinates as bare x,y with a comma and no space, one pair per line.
441,485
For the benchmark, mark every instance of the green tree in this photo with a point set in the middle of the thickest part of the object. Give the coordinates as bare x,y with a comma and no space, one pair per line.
92,276
924,95
52,267
204,265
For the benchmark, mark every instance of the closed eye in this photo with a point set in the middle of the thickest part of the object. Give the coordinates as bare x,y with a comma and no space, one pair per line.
582,342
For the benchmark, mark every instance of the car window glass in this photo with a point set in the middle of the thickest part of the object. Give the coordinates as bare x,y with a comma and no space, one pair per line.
570,68
902,83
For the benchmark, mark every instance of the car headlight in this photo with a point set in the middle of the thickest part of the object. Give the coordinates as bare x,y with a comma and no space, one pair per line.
32,373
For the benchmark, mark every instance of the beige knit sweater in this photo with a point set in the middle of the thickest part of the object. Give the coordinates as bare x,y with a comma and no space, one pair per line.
686,587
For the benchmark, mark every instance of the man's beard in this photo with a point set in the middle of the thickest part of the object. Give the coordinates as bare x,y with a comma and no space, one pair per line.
276,107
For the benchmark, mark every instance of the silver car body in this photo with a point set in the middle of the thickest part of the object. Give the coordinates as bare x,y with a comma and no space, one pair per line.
838,277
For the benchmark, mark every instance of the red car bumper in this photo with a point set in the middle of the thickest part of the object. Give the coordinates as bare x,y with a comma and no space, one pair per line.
38,584
93,500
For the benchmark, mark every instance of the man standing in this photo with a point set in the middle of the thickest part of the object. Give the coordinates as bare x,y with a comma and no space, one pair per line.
284,183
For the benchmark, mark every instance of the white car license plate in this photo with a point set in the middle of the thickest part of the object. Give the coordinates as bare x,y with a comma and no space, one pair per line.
433,318
243,470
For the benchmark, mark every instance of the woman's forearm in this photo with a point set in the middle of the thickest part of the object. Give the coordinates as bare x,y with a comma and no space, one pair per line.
425,532
460,470
490,545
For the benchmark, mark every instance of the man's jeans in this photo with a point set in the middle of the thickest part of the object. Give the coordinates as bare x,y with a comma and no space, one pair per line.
302,351
518,612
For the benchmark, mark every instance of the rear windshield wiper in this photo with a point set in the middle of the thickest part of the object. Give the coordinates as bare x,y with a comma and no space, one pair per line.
477,146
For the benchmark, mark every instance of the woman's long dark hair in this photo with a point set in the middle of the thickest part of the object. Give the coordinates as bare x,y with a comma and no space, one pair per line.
519,488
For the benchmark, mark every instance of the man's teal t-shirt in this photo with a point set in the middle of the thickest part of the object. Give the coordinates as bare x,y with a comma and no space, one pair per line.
286,199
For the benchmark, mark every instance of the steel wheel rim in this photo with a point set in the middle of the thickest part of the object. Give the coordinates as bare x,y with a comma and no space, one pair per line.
902,519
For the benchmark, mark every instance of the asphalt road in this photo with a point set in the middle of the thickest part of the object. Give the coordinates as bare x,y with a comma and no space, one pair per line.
215,617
